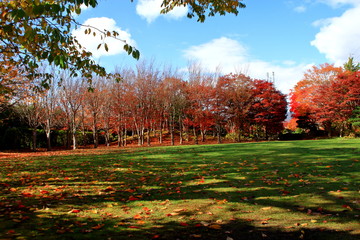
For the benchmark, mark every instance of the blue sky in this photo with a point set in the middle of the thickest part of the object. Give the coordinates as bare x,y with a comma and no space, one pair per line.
281,36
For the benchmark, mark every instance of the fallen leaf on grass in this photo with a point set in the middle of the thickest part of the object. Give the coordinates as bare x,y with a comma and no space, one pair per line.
172,214
138,217
205,224
134,227
74,211
179,210
215,226
164,202
347,206
196,235
11,232
266,208
98,226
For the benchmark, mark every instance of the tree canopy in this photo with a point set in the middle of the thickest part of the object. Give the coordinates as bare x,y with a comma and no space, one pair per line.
34,31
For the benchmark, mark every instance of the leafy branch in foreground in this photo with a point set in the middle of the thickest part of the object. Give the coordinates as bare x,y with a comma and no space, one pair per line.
36,31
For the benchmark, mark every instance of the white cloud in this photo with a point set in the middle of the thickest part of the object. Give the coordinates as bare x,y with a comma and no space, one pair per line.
300,9
221,51
150,10
339,3
91,43
339,37
84,7
232,56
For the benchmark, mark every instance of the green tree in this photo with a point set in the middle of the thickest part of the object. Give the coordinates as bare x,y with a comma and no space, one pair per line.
355,119
351,66
33,31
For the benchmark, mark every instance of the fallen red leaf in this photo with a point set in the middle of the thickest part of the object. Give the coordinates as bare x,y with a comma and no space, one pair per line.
11,232
133,227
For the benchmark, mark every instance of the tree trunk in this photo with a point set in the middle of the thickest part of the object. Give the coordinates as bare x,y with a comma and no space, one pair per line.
171,128
148,136
48,139
203,132
34,139
218,128
107,137
161,132
96,137
119,133
125,135
187,134
74,139
139,137
74,132
196,141
180,131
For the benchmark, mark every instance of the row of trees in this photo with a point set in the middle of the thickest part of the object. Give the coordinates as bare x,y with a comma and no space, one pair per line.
148,102
328,98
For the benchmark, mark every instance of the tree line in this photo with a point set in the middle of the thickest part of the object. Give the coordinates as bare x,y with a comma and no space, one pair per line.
144,106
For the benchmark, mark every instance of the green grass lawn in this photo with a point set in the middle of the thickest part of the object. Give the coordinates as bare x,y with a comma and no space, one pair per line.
267,190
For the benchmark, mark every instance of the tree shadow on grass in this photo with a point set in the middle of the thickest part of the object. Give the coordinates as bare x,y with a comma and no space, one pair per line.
175,174
67,227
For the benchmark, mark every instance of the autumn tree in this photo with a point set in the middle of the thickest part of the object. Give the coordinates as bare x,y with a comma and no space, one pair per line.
173,100
345,92
122,99
106,117
49,100
30,110
237,93
145,85
71,99
269,107
302,98
199,112
93,103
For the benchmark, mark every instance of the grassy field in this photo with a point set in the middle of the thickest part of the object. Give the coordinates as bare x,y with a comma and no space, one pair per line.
267,190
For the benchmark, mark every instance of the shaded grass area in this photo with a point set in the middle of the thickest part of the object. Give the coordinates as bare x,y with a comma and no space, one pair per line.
268,190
